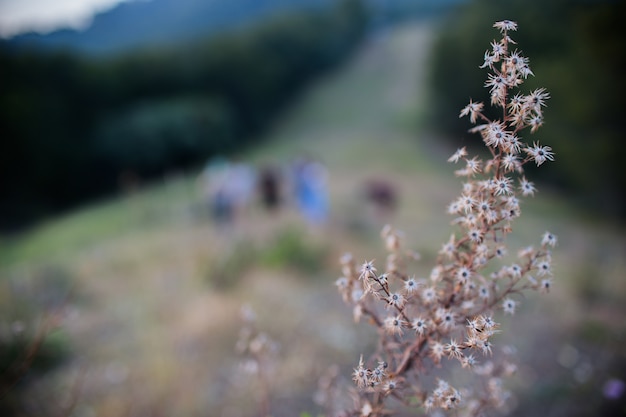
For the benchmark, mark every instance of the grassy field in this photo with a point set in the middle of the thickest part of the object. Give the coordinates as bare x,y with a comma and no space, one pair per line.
151,289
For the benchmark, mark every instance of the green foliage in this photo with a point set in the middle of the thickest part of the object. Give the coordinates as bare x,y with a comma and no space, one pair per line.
14,350
290,249
74,124
574,46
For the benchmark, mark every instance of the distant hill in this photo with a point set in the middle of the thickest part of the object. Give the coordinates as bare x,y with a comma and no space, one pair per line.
155,22
150,22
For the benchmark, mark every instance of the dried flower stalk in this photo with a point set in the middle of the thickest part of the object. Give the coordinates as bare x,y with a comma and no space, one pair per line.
446,321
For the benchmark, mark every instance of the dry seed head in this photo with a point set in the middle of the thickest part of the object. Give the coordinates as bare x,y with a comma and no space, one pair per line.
463,286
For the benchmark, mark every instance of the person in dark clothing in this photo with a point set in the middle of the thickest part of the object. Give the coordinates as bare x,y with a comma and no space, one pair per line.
269,188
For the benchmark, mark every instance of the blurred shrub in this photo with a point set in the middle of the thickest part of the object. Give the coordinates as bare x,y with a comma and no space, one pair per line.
31,343
291,249
15,345
577,47
73,124
24,357
288,249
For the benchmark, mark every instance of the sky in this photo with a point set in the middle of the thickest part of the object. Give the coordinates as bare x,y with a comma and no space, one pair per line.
17,16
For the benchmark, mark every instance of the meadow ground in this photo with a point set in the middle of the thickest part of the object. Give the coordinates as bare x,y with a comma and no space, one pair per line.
151,289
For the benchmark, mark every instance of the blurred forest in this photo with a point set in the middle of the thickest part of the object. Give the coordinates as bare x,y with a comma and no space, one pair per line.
78,127
578,48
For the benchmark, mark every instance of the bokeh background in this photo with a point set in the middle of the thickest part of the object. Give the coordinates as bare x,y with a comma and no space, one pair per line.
122,274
